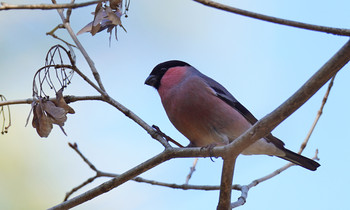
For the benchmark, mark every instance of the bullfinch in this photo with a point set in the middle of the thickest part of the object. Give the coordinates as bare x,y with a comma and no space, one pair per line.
207,114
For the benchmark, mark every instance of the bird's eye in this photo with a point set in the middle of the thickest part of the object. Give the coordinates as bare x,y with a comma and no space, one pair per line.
163,69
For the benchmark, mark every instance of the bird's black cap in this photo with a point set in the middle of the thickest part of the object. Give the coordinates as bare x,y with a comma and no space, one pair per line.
157,73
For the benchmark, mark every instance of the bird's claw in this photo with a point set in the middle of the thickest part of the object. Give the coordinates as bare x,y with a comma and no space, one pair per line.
210,148
168,138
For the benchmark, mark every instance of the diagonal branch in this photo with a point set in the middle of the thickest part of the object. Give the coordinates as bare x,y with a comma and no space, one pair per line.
109,185
319,113
260,129
100,173
288,165
310,87
330,30
101,88
270,121
91,64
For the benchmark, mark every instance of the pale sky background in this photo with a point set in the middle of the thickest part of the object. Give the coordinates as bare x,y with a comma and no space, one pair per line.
260,63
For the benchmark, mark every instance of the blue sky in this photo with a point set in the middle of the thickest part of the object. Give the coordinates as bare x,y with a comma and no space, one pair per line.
260,63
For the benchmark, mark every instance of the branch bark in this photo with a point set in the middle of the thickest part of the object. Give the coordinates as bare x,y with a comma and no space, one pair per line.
100,173
67,98
270,121
226,182
5,6
330,30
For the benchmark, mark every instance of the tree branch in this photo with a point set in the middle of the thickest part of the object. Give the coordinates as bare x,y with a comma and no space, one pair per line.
192,170
330,30
101,89
68,99
99,173
5,6
109,185
52,33
288,165
319,113
91,64
310,87
270,121
226,182
242,199
260,129
303,144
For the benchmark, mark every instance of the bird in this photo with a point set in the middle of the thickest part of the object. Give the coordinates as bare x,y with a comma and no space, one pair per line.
207,114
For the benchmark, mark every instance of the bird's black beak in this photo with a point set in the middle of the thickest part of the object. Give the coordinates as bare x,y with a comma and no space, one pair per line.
151,80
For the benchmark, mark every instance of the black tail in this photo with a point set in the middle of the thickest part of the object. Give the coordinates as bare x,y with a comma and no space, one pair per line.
300,160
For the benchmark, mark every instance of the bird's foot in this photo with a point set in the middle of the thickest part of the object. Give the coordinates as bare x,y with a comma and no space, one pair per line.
210,148
168,138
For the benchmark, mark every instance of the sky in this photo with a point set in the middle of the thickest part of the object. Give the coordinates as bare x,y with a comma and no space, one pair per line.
260,63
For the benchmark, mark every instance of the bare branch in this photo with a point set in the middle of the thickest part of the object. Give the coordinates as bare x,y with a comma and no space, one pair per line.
330,30
242,199
6,115
99,173
192,170
75,189
138,120
288,165
319,113
261,128
67,98
226,182
52,33
168,138
109,185
80,47
270,121
5,6
303,144
183,186
75,148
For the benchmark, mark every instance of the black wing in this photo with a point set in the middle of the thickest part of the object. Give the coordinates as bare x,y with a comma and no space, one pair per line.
226,96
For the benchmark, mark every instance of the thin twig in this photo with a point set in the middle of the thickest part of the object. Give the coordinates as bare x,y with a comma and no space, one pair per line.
74,146
319,113
330,30
5,6
6,116
75,189
242,199
192,170
153,133
52,33
168,138
80,47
